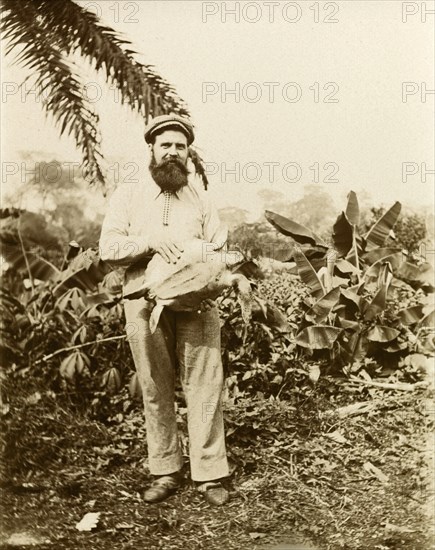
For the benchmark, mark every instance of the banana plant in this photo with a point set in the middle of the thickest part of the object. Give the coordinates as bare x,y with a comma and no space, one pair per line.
350,281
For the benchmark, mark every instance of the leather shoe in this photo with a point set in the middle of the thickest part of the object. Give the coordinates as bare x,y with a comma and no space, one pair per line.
214,492
161,488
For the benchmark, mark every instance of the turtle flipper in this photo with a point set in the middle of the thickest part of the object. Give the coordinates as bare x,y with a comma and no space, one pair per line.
244,295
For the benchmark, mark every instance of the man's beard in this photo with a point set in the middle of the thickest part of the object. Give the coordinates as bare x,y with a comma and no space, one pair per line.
169,174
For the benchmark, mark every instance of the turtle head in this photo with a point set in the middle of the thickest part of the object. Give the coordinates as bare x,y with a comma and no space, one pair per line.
244,295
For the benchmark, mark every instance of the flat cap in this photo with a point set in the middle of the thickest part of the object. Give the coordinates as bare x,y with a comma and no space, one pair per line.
160,122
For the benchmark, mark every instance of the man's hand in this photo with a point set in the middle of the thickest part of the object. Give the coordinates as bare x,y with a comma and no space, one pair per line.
169,250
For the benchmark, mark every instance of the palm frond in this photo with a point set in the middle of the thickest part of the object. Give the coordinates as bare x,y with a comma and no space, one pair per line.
199,166
73,28
47,33
61,89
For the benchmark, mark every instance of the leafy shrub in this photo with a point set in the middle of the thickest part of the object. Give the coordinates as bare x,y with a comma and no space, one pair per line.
258,239
65,327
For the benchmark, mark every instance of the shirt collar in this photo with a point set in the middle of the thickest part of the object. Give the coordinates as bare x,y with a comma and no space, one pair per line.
157,192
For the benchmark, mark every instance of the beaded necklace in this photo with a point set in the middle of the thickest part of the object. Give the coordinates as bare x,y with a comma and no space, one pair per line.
166,207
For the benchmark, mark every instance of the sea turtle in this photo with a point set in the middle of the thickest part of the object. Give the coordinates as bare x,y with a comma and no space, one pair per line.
201,273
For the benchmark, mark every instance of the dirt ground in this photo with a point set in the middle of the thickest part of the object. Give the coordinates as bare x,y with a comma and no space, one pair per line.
321,477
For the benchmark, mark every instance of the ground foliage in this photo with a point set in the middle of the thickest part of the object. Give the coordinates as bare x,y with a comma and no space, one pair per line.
320,451
300,468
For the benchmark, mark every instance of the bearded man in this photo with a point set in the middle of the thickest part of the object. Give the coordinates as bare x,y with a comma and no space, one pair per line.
155,217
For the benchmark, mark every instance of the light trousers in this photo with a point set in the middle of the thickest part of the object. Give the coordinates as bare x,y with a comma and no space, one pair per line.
192,340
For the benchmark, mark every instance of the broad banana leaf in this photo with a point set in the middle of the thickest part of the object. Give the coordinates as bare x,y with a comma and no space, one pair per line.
342,235
281,254
379,302
379,333
378,233
395,261
360,247
356,348
423,274
348,324
314,252
345,267
322,308
308,274
411,315
39,267
339,281
299,233
395,346
352,209
352,296
86,278
380,253
428,320
318,337
315,255
358,288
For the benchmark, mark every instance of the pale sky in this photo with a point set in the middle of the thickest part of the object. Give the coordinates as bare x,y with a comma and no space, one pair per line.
318,100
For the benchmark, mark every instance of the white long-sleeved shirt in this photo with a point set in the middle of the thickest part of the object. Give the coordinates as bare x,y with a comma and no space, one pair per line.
140,214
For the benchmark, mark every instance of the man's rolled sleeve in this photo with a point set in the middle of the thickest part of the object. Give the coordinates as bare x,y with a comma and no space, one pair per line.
117,247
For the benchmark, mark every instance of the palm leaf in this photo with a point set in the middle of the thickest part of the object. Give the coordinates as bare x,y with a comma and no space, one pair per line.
46,34
74,28
199,166
62,91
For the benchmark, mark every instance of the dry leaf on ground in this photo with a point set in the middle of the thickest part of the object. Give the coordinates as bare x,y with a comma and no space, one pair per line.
89,521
